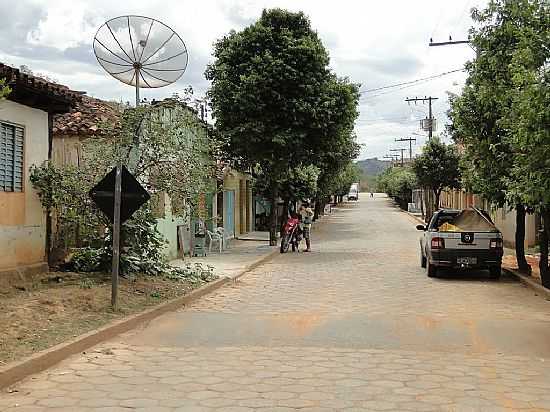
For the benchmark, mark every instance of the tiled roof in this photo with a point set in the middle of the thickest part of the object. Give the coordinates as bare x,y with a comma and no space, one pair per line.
49,96
87,117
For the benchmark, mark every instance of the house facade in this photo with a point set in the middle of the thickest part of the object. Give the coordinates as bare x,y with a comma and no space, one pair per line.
234,203
86,120
26,119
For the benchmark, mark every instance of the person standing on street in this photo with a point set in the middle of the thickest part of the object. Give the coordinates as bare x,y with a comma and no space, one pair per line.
307,220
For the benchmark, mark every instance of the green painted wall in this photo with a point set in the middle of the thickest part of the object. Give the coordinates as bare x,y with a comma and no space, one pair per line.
168,226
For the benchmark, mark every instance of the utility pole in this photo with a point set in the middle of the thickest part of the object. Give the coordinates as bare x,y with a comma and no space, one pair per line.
410,140
446,43
399,150
392,157
430,119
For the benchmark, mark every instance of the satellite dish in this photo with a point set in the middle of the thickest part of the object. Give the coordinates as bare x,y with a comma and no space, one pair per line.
141,52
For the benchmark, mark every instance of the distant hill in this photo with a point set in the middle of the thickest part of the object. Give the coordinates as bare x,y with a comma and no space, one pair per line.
373,167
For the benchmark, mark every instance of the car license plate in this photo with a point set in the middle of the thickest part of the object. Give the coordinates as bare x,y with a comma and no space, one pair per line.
466,260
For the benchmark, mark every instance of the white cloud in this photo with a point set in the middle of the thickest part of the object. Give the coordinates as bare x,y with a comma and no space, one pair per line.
67,24
373,43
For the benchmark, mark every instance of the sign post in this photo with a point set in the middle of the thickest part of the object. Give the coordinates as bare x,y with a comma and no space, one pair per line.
118,195
116,237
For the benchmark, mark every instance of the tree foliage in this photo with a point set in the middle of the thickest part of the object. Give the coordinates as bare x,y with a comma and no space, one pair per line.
398,183
300,183
480,116
437,168
4,89
266,90
529,114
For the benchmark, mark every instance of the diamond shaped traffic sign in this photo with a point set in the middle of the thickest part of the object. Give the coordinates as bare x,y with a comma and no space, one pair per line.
133,195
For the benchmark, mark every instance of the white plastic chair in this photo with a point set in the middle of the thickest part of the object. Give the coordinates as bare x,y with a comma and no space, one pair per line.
214,237
222,233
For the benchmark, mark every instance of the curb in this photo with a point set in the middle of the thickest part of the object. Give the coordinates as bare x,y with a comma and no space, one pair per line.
530,283
45,359
418,219
257,263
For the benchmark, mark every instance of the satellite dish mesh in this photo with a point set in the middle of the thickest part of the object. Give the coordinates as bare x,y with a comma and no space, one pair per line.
140,51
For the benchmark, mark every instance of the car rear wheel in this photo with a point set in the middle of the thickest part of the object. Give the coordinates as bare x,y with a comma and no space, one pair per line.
494,272
431,270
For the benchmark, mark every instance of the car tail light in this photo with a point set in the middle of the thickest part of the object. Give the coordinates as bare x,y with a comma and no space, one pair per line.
438,243
495,244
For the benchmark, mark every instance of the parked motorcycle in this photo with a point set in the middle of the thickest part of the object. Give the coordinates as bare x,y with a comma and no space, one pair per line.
291,235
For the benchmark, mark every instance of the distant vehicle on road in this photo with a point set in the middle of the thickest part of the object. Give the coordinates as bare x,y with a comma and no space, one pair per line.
354,192
461,239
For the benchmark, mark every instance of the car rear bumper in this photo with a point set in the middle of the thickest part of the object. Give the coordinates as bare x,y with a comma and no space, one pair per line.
449,258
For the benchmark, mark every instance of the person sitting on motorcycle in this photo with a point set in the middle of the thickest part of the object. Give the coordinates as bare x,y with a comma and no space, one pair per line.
307,219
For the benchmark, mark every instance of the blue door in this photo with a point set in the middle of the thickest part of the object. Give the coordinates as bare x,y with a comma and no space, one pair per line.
229,208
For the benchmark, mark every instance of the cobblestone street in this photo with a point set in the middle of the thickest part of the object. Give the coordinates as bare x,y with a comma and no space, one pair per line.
355,325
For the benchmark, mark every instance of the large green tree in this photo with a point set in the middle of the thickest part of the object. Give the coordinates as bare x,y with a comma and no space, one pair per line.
437,168
529,123
481,119
273,95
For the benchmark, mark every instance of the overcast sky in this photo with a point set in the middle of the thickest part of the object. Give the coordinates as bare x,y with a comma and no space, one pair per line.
375,43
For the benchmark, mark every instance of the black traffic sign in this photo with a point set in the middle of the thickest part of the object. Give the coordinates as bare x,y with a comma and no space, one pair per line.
133,195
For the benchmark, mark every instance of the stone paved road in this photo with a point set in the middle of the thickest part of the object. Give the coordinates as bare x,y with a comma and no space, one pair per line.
356,325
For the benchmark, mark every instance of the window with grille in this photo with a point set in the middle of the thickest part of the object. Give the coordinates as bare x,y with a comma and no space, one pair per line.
11,157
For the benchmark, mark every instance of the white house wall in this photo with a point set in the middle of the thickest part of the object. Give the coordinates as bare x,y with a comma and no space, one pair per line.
22,219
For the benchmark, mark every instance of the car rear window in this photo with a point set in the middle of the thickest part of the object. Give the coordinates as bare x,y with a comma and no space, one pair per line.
467,220
444,217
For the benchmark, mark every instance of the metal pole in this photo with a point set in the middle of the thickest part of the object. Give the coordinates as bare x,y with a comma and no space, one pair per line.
116,237
431,120
137,87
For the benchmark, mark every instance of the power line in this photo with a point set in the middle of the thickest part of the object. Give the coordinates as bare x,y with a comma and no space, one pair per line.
389,119
412,81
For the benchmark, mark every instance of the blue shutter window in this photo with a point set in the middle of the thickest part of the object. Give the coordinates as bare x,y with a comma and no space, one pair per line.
11,157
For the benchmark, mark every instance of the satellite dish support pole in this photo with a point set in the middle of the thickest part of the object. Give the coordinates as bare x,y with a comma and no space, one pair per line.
137,87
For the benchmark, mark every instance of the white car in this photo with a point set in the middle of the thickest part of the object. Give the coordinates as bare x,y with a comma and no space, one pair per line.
461,239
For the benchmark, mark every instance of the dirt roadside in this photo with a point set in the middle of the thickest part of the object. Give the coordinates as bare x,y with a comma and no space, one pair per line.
50,308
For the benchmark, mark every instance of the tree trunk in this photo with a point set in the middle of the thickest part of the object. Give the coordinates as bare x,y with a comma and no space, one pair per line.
273,215
422,205
317,210
544,236
48,239
428,203
523,266
437,193
322,205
